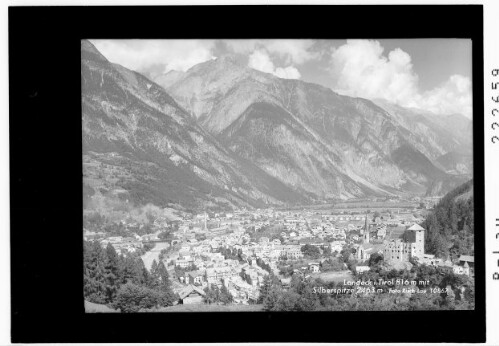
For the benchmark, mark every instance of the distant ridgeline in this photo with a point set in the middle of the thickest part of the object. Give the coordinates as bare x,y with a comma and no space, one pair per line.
221,136
450,225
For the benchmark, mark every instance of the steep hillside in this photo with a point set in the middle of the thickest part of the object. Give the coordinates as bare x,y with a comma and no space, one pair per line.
455,162
338,147
450,226
169,78
446,139
140,146
272,138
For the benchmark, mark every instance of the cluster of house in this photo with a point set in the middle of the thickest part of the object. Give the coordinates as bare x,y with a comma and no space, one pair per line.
90,235
244,278
380,231
307,225
409,245
242,281
465,265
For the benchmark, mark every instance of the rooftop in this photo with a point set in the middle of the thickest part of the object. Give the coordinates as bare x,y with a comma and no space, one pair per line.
188,289
466,258
415,227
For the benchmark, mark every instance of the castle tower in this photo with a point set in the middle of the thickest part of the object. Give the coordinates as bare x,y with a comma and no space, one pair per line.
418,238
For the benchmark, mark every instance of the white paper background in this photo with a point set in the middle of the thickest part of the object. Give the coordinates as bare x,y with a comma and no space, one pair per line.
491,60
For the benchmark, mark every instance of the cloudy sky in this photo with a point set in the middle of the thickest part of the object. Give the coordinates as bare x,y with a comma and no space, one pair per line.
431,74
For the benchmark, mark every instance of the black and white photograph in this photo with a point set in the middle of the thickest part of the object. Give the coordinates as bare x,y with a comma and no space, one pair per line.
250,175
240,173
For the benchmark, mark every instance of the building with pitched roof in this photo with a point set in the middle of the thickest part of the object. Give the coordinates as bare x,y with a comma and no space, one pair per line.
195,277
191,295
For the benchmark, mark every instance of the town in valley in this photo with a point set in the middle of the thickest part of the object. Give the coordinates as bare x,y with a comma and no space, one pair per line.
240,249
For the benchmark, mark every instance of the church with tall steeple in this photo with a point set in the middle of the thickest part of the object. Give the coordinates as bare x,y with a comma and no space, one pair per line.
366,249
365,238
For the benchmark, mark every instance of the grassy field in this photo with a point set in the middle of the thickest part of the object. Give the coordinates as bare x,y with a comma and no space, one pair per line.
99,308
211,308
338,276
96,308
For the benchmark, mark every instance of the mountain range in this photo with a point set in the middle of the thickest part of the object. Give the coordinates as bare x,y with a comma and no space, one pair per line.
222,135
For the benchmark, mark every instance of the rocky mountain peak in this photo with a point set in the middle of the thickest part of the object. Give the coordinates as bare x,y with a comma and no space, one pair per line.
88,51
223,65
228,59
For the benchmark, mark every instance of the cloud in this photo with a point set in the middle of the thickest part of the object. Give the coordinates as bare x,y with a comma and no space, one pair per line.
260,60
294,51
359,68
141,55
454,96
153,57
242,46
291,51
289,72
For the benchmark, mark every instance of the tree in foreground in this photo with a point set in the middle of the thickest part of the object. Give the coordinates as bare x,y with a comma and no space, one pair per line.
375,259
225,296
217,295
271,298
112,274
212,294
94,273
164,286
269,281
132,298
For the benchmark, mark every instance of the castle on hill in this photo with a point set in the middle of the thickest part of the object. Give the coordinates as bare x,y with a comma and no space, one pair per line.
412,245
402,249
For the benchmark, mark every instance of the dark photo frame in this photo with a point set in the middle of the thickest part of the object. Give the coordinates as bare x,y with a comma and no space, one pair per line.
46,171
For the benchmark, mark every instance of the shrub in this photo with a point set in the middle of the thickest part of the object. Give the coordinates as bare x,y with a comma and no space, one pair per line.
132,298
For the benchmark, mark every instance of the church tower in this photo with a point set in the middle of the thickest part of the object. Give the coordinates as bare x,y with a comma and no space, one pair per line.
365,238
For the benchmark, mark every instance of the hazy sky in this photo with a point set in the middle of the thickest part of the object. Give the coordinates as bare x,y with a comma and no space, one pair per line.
431,74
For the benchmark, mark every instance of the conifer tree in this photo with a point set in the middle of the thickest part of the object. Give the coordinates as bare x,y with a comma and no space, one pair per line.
212,294
128,269
94,272
163,275
112,276
271,298
167,294
142,274
269,281
154,277
225,296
